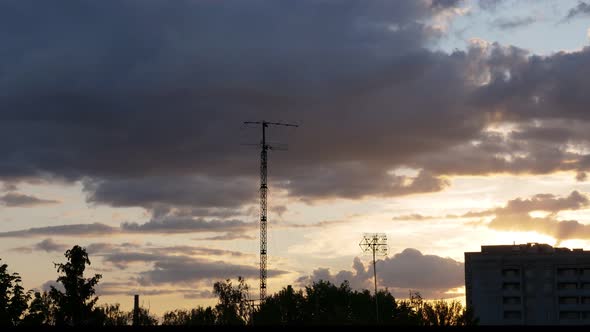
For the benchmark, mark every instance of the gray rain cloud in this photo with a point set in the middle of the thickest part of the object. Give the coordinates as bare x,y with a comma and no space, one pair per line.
169,99
433,276
513,23
186,270
148,109
13,199
582,9
172,226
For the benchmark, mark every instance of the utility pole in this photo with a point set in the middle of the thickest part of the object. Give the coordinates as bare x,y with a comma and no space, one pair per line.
263,198
377,244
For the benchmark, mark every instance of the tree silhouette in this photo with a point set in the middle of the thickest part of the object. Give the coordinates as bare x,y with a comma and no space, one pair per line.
193,317
41,311
112,315
441,312
13,298
145,318
74,306
234,307
327,304
321,303
283,308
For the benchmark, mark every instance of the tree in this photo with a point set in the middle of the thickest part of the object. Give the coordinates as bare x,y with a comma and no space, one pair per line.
283,308
74,306
388,311
145,318
441,312
13,298
41,311
112,315
328,304
234,307
193,317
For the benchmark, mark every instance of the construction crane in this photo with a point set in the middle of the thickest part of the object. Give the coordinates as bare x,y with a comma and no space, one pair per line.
263,198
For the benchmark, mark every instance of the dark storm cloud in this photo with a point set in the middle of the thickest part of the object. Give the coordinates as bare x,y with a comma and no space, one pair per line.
191,250
442,4
490,4
131,288
121,255
185,225
49,245
148,108
513,23
95,229
166,225
431,275
581,9
356,181
102,247
171,265
185,270
358,278
227,237
162,192
13,199
122,259
157,86
154,95
525,87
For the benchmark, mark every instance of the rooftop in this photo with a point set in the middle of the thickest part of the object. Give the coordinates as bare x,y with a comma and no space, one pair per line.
530,248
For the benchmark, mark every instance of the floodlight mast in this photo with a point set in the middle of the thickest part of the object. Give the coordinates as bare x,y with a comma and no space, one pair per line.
263,199
377,244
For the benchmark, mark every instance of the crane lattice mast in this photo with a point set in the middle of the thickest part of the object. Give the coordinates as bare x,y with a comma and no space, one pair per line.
263,199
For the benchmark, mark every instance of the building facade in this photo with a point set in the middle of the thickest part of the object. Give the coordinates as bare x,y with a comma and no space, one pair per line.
528,284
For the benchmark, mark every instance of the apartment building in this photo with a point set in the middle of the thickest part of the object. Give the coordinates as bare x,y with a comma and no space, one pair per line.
528,284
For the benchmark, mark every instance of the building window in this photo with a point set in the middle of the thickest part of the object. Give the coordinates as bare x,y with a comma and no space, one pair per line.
512,314
568,300
567,285
511,300
547,287
529,273
511,285
569,315
531,288
585,314
586,285
566,272
585,299
510,273
548,273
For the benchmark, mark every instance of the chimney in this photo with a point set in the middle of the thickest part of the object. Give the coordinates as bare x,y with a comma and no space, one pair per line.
136,310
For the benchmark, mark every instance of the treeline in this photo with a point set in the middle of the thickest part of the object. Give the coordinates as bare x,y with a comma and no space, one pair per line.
321,303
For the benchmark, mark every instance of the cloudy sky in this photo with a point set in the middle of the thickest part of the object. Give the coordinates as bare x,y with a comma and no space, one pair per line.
446,124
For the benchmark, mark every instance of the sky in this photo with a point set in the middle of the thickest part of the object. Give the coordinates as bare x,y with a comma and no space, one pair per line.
445,124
